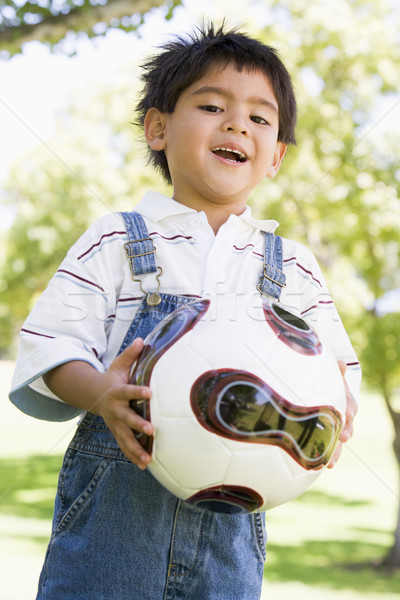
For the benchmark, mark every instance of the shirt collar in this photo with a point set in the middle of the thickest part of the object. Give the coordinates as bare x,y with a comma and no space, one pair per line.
156,207
267,225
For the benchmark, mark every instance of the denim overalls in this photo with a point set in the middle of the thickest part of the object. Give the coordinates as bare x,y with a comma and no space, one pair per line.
117,533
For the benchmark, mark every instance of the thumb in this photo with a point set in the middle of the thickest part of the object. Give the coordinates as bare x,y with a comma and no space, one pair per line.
126,359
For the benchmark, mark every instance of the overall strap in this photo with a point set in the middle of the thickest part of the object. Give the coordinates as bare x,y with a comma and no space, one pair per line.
139,247
140,251
272,279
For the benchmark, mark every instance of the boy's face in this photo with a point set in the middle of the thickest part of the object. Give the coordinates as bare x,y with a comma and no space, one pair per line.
221,139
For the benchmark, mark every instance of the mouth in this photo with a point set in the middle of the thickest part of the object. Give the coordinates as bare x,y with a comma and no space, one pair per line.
234,156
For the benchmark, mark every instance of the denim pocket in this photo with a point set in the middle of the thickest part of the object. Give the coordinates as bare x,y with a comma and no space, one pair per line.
79,477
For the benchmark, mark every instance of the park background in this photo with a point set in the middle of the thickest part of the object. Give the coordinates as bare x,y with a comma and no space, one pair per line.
68,154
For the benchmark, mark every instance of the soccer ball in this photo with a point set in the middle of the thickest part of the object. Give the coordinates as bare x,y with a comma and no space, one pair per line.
247,403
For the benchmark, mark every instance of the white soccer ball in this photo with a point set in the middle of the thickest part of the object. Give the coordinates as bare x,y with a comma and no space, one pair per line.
247,404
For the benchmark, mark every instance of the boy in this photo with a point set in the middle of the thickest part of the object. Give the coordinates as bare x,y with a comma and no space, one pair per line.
218,111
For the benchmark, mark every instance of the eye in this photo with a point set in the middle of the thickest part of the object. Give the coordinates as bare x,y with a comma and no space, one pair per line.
259,120
211,108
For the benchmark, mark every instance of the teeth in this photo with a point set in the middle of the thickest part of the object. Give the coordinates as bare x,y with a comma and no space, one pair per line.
242,157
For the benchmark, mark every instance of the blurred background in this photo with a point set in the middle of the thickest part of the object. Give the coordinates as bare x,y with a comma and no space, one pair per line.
69,153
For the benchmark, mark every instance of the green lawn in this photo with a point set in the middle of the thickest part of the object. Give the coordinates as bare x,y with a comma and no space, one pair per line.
323,545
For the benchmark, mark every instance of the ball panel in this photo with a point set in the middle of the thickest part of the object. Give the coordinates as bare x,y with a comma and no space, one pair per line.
173,376
192,456
164,336
228,499
263,470
164,477
292,330
239,406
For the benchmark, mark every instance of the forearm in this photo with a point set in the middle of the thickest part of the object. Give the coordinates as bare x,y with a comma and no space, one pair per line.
77,383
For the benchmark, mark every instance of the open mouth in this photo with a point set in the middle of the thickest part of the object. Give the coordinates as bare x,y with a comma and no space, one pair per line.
230,154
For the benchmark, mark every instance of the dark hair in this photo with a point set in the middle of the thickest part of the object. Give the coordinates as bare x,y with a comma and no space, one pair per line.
184,61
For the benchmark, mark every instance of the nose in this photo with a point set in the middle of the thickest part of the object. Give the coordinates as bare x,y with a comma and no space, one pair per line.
237,123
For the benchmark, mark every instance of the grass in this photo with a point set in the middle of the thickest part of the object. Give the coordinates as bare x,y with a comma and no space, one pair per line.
334,548
326,544
330,540
27,486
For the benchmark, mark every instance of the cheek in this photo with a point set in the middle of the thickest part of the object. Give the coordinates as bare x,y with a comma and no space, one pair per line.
264,160
266,153
186,139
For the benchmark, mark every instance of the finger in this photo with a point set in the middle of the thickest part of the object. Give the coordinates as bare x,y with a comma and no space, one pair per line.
123,412
348,428
352,406
129,392
137,423
347,432
342,366
335,456
131,447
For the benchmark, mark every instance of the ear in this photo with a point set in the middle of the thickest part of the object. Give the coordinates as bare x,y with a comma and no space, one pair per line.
154,129
279,153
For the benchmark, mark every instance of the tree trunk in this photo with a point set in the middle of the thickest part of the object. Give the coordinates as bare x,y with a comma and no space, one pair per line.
392,559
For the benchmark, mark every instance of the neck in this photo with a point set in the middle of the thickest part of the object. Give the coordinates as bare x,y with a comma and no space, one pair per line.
215,219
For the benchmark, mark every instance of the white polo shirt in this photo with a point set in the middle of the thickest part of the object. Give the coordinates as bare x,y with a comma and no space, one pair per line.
91,300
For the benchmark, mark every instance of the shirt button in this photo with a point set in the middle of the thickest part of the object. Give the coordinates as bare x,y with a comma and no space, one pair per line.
195,222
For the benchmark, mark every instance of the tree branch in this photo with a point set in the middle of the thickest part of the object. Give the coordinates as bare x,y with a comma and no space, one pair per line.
54,28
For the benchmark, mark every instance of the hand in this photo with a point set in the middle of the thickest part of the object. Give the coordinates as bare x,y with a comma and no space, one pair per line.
108,395
351,412
114,394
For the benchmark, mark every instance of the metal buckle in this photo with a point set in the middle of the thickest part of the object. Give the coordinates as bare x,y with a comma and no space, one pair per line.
152,298
282,285
128,249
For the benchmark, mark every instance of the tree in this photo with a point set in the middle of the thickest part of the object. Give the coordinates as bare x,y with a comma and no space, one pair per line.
91,166
340,191
49,21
